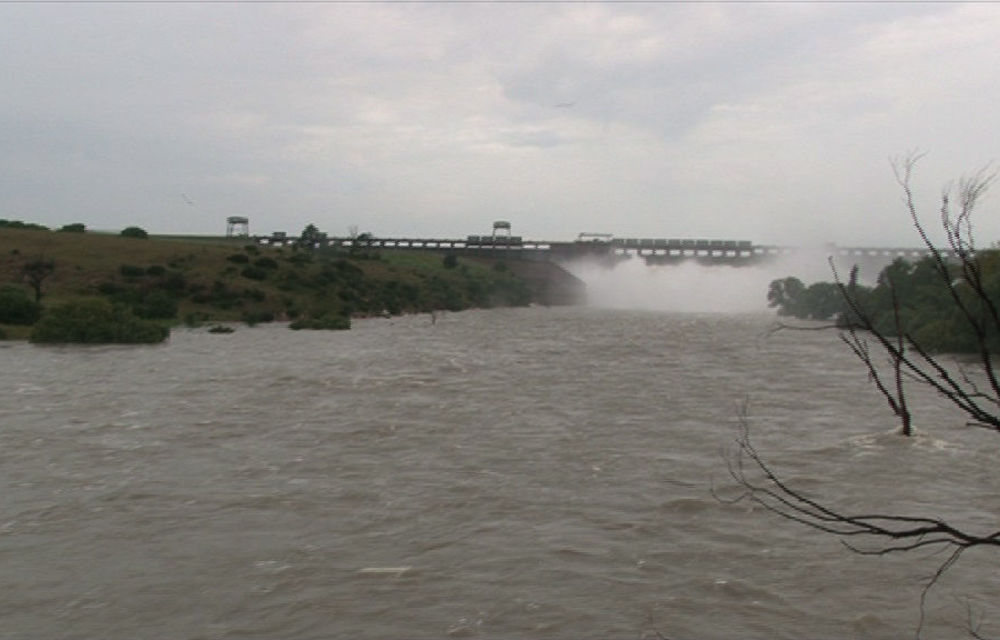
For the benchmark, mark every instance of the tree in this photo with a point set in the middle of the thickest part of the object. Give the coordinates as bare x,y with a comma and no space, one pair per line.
35,272
786,294
134,232
879,329
311,237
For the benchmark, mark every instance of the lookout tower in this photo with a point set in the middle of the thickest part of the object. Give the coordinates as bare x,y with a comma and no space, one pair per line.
501,228
237,227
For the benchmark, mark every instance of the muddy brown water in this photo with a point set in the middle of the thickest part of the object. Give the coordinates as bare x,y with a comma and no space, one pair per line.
536,473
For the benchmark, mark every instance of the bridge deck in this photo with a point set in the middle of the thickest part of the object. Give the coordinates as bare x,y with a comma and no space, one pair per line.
653,249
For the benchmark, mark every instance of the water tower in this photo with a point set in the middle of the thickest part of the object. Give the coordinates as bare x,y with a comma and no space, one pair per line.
237,227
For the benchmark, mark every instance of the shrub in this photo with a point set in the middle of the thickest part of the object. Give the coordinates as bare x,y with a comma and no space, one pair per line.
131,271
450,261
75,227
16,307
134,232
156,270
266,263
251,249
108,288
299,259
95,321
254,294
239,258
174,282
157,305
253,273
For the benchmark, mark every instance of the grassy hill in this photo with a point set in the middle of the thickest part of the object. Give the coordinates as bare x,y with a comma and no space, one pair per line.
202,279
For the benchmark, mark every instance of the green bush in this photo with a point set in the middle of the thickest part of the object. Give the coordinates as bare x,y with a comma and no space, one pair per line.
134,232
156,305
174,282
95,321
254,294
266,263
253,273
16,307
450,261
75,227
156,270
299,259
131,271
239,258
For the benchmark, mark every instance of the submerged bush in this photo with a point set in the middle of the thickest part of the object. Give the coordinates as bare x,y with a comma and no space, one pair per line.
96,321
220,328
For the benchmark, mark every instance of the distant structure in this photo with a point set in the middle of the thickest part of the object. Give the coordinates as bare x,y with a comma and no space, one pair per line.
237,227
503,227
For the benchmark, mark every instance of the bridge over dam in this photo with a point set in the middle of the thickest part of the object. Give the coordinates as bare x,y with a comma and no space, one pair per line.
610,250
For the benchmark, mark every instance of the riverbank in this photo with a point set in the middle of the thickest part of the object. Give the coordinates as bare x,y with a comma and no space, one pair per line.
198,280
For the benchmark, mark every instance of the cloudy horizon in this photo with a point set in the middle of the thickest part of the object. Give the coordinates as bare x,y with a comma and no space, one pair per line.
772,122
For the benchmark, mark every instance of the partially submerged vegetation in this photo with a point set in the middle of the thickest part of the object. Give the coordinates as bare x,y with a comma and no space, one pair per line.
96,321
52,281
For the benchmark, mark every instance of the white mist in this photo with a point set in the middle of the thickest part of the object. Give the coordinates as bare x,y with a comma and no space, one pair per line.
692,287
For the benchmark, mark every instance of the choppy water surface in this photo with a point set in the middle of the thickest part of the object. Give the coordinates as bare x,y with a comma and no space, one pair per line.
540,473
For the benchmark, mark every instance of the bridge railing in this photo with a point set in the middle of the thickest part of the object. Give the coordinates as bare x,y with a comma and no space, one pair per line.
652,249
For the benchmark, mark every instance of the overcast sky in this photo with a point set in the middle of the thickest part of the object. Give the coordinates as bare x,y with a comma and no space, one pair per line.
768,122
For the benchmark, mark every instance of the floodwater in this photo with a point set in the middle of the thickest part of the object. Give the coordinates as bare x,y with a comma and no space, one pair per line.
514,473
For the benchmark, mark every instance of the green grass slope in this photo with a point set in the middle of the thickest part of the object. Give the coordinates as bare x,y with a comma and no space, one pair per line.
171,279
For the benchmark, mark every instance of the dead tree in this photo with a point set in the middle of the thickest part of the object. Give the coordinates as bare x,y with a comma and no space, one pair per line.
894,359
